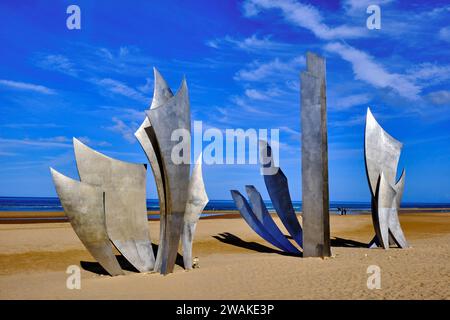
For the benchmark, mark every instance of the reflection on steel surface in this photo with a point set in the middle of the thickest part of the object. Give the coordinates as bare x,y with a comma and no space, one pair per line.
382,153
83,205
196,202
124,185
278,188
315,198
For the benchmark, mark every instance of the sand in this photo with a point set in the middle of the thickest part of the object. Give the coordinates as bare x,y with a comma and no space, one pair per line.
236,264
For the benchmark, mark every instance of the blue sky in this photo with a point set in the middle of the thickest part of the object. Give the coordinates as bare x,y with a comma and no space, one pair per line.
242,61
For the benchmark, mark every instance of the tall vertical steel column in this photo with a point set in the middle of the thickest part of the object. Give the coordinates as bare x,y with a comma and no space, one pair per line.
315,198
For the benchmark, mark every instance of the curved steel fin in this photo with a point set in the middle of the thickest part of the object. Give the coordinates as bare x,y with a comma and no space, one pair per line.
264,217
83,205
125,202
161,90
252,220
278,189
395,228
196,202
381,153
386,197
165,119
147,139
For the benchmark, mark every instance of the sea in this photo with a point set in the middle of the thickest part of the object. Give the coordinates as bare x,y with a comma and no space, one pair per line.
53,204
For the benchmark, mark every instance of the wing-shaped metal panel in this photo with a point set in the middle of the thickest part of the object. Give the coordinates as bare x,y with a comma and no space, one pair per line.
196,202
83,205
147,139
264,217
252,220
382,153
125,202
278,189
165,119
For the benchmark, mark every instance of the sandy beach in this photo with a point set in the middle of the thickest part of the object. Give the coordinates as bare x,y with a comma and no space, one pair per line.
236,264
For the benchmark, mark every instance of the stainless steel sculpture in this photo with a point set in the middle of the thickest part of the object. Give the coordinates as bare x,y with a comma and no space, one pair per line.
124,185
251,219
382,153
264,217
196,202
182,198
146,137
172,115
84,206
258,217
277,186
315,197
113,192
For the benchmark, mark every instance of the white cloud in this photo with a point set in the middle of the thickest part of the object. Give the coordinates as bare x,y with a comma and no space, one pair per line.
366,69
30,125
260,45
58,63
262,95
120,88
92,143
349,122
147,87
213,43
360,6
444,34
125,113
440,97
26,86
261,71
350,101
122,128
304,16
53,142
429,73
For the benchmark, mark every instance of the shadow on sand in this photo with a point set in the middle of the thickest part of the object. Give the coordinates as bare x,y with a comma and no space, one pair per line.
95,267
231,239
347,243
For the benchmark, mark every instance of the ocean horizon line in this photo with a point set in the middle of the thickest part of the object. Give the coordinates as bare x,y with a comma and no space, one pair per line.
53,204
230,200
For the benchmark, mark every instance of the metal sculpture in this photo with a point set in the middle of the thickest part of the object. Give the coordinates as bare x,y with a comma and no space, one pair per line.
315,197
147,139
277,186
124,185
251,219
382,153
258,217
165,119
84,206
263,216
110,199
196,202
